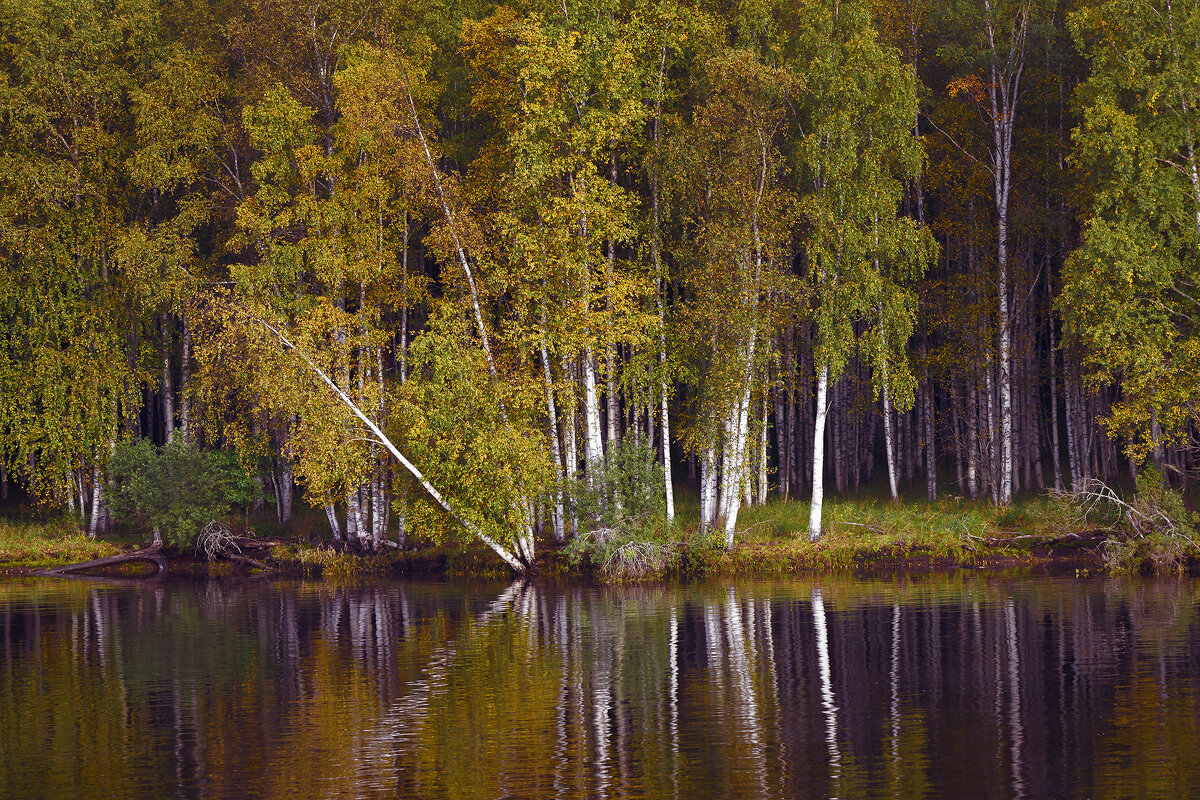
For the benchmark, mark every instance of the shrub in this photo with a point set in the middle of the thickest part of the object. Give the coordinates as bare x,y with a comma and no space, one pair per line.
177,489
622,513
1154,531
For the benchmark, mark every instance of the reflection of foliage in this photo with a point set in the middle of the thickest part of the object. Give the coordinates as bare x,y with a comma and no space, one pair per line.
176,489
1153,531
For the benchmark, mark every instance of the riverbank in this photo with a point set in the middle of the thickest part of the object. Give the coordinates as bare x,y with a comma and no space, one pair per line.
861,535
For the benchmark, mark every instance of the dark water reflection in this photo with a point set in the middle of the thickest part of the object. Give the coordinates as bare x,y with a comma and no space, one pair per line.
932,687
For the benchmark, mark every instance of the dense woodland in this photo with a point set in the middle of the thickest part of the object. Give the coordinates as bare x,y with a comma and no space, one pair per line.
451,267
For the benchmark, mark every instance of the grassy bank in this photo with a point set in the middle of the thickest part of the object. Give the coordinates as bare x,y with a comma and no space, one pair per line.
861,534
868,533
30,545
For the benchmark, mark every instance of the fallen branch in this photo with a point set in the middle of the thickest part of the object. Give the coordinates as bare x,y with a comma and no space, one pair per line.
864,525
149,554
247,561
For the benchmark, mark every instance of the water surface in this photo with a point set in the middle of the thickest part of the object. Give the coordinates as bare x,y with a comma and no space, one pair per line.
938,686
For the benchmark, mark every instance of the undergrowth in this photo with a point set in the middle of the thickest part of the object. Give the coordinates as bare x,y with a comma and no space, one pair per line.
36,545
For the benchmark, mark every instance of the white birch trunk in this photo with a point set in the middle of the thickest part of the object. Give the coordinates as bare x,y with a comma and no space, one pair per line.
889,441
560,534
593,444
661,288
818,462
185,380
168,395
1003,93
762,456
97,502
666,444
335,525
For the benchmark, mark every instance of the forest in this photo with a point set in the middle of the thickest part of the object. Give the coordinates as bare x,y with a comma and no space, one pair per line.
514,274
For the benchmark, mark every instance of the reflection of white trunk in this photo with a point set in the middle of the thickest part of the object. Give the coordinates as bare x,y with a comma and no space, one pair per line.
818,463
828,705
741,663
1017,732
601,704
895,684
673,700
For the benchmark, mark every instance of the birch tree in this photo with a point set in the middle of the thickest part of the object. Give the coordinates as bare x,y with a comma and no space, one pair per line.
853,160
1129,292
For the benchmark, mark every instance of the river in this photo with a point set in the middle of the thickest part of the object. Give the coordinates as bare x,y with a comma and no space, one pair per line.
959,685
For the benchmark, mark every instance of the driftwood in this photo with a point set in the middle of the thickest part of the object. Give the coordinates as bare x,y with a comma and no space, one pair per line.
149,554
246,561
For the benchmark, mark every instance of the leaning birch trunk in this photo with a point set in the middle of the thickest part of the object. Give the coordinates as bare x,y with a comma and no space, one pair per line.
335,525
499,549
818,462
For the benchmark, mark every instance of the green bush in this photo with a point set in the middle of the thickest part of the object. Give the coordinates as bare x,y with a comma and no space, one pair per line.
1152,532
622,513
176,489
624,493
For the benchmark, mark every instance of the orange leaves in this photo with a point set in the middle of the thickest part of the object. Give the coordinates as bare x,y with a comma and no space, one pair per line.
971,85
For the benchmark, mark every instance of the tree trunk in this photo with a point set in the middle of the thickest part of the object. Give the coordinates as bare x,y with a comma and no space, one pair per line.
168,395
560,533
335,525
889,443
97,502
931,492
185,380
818,465
592,443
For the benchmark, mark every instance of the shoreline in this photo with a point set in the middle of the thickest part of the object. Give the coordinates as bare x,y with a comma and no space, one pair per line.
297,560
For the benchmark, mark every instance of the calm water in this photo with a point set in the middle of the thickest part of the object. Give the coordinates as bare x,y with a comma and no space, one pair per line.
930,687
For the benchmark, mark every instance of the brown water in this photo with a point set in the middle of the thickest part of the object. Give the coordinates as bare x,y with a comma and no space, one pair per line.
930,687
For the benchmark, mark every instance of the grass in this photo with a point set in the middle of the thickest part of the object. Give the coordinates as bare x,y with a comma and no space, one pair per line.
26,545
863,532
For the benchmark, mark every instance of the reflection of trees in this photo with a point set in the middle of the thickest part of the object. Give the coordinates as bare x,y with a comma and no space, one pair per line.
252,689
